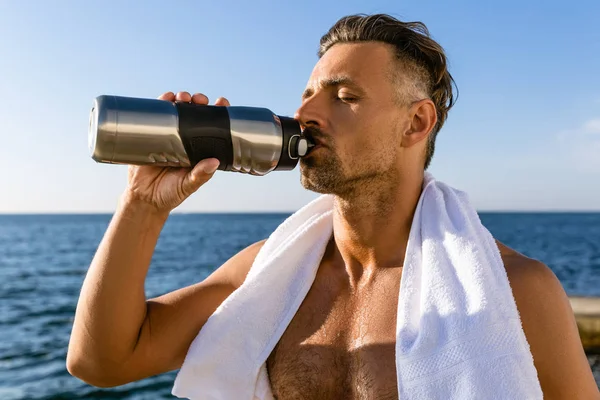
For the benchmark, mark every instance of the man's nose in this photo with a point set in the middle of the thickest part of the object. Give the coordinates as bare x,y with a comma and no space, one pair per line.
312,112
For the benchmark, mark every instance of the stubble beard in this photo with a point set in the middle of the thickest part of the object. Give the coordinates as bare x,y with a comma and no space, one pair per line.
322,175
325,174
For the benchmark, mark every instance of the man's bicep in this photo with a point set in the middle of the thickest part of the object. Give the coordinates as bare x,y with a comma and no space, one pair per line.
173,320
551,330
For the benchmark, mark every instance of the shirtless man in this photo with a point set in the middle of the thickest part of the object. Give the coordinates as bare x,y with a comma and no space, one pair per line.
375,112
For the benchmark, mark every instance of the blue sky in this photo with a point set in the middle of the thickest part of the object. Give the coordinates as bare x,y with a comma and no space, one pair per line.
524,134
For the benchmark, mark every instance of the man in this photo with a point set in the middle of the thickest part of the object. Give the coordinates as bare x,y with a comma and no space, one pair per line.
374,103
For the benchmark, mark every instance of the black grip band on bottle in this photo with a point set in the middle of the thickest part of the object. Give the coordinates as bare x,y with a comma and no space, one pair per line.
205,132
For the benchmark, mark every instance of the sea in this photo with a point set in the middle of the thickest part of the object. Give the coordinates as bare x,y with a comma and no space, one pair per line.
44,259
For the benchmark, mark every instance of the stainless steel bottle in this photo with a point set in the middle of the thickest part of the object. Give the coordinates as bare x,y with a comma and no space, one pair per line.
252,140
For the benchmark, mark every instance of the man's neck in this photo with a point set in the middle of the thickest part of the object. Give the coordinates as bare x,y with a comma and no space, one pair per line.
371,226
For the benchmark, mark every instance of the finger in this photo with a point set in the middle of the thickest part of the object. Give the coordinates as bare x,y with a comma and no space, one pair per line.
199,98
198,176
169,96
222,101
205,167
183,96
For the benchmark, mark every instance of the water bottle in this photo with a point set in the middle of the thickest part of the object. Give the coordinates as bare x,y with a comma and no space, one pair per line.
138,131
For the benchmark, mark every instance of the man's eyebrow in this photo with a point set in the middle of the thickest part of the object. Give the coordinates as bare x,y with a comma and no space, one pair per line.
332,82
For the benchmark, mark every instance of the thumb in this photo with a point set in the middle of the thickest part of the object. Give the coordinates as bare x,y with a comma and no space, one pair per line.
201,173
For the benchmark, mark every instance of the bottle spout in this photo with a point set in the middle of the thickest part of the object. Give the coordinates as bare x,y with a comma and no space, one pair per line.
299,146
309,146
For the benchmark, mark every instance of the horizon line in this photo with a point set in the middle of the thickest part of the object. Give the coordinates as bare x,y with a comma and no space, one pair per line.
237,212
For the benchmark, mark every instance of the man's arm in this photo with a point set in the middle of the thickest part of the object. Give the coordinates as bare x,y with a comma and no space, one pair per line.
551,330
118,335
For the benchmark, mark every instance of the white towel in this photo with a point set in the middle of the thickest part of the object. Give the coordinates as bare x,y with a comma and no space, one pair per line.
458,333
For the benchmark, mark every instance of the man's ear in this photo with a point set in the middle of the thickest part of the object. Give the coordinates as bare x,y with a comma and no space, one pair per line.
423,117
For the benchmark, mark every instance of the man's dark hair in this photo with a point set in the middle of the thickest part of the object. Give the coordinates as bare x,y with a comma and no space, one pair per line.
423,68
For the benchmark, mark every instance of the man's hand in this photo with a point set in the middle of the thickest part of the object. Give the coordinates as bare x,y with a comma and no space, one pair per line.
165,188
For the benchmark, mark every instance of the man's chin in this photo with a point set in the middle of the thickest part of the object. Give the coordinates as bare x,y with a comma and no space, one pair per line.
323,177
315,185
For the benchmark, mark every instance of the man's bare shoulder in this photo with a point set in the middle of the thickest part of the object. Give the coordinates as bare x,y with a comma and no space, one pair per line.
527,275
550,328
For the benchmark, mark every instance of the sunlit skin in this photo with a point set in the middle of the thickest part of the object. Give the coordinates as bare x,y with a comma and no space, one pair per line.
340,342
370,156
371,149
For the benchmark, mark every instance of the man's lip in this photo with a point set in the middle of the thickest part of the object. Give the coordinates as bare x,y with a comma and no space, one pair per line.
315,148
317,142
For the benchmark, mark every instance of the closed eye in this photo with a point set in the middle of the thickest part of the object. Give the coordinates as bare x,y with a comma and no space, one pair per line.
347,99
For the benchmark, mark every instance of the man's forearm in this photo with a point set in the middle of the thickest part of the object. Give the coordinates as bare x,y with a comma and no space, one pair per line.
112,303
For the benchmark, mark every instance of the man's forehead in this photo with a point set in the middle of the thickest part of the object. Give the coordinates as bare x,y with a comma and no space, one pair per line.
351,63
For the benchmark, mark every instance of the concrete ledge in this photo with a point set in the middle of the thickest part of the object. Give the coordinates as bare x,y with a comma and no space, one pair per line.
587,315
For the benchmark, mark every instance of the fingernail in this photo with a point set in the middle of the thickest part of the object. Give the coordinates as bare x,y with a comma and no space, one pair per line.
211,166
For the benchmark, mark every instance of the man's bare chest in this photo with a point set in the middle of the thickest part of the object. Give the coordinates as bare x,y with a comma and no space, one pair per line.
340,343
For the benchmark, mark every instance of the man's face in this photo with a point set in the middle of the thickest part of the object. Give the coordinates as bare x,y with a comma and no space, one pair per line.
351,107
